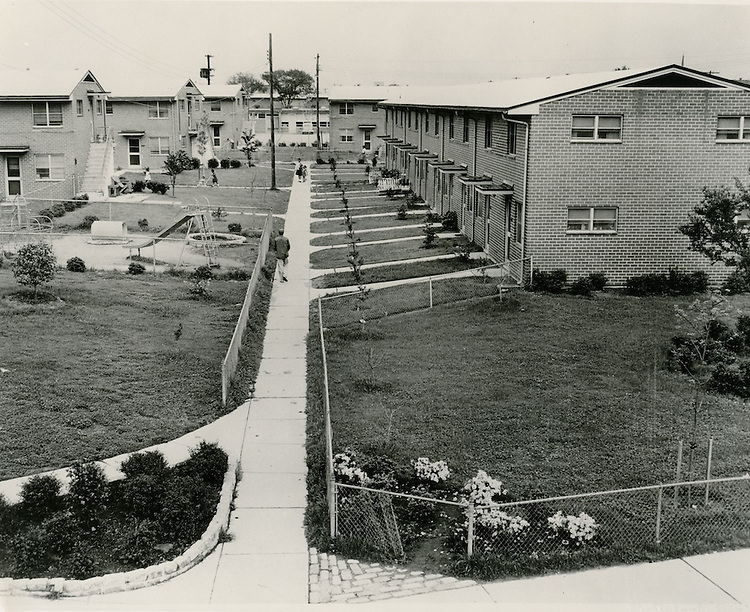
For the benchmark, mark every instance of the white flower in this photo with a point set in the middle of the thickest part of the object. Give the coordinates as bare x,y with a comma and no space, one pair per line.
432,471
575,529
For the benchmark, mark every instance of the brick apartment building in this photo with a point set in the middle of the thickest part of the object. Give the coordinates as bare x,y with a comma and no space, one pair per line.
62,133
590,173
49,123
295,126
356,118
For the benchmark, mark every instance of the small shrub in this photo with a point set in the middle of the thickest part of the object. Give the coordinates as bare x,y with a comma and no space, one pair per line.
282,144
672,283
88,493
30,552
46,212
235,163
450,221
40,496
87,222
581,286
430,234
202,273
234,228
139,186
551,282
157,187
70,206
58,210
135,268
75,264
146,463
142,496
598,281
209,462
320,161
302,144
224,163
213,163
143,224
401,214
236,274
195,163
137,543
737,282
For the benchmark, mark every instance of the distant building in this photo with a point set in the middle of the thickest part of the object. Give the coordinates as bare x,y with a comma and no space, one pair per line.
294,126
357,121
589,172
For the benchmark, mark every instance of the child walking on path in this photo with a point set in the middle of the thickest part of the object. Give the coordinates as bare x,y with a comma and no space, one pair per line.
281,245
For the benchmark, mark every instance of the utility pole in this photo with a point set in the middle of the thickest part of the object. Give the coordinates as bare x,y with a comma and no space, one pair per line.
273,119
317,102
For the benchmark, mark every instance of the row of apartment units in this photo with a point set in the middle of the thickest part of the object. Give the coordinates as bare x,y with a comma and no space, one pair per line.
63,133
590,173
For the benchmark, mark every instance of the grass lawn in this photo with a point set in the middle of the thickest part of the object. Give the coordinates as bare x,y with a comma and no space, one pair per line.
341,239
327,227
376,253
395,272
359,211
554,397
354,202
104,371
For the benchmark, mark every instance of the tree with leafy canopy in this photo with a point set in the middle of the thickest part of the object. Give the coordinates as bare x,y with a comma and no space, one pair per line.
34,265
290,84
249,145
175,163
249,82
713,229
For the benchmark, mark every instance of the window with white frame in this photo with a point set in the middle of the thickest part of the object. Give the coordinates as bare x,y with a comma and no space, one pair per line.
488,132
596,128
451,126
99,106
592,219
215,105
216,136
108,108
324,124
346,108
158,110
299,125
465,129
733,129
159,145
346,135
512,137
47,114
79,108
50,167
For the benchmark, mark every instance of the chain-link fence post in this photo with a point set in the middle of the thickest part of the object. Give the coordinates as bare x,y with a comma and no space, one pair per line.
659,498
470,531
430,292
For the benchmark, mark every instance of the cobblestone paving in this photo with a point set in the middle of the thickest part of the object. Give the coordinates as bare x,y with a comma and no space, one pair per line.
348,581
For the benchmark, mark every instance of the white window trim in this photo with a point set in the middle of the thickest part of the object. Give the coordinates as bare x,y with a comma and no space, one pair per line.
159,105
591,229
47,114
596,130
744,119
49,157
159,139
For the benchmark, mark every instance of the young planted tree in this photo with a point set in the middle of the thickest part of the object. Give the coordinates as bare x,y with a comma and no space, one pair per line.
250,145
714,231
175,163
34,265
290,84
202,140
354,259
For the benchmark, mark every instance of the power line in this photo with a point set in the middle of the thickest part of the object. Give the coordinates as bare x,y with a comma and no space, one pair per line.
108,42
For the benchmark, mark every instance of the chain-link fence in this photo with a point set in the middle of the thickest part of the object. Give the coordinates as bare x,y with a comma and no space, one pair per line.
418,294
659,521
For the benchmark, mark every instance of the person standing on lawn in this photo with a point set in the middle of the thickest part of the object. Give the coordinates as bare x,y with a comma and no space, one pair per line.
282,246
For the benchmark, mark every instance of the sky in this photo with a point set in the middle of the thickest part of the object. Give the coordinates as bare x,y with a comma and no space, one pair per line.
367,42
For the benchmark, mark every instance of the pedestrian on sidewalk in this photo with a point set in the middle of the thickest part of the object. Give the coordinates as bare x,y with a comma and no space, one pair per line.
281,245
300,170
214,179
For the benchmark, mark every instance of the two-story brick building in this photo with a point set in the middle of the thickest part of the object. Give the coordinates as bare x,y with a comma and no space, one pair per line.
357,121
295,125
590,173
50,125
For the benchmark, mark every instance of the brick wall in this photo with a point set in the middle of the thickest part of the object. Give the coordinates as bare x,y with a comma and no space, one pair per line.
654,177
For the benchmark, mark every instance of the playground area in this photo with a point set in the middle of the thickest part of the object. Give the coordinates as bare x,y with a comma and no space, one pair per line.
184,236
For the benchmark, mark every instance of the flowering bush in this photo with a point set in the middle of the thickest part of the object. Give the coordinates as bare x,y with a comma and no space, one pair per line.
572,530
346,470
434,471
484,490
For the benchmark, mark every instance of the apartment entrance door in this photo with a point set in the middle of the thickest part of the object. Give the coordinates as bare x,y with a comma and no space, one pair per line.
134,152
13,176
